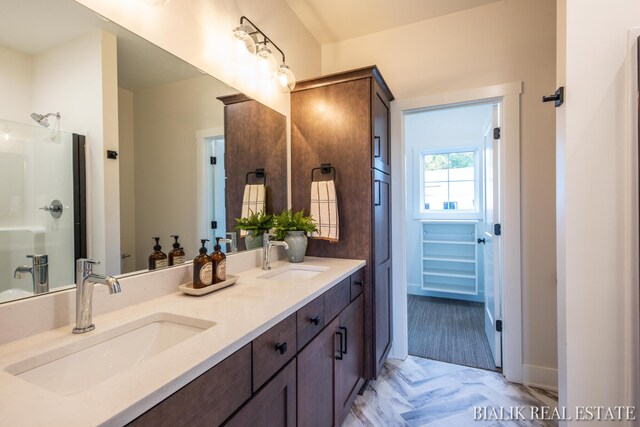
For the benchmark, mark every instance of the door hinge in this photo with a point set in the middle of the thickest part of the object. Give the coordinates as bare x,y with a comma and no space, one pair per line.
213,160
214,225
496,133
498,325
497,230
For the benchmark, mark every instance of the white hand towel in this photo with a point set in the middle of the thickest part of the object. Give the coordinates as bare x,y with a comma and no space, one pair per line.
324,210
253,201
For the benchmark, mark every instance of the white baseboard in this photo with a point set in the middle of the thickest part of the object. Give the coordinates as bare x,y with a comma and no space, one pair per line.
540,377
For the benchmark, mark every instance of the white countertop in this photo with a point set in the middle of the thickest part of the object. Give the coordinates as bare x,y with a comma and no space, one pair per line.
241,313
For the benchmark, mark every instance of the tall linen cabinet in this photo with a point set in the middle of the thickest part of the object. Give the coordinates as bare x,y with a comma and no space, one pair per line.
343,119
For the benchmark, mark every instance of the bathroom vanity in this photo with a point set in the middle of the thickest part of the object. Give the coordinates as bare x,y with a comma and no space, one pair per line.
284,346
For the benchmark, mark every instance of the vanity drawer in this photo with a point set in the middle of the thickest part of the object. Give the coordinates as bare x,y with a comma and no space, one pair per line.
310,319
357,283
337,298
273,349
209,399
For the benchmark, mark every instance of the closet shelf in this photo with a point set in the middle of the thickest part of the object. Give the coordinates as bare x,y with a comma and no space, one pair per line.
448,273
452,289
449,242
449,258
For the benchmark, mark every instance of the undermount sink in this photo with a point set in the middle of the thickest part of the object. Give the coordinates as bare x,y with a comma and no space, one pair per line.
82,365
294,273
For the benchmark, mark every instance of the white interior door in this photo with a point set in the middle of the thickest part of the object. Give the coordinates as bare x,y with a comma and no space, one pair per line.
490,243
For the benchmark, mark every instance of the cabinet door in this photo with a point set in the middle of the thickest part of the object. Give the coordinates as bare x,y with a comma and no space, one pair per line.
316,380
209,399
350,369
381,267
274,405
381,147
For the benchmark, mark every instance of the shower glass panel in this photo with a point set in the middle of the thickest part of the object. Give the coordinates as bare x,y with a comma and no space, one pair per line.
36,171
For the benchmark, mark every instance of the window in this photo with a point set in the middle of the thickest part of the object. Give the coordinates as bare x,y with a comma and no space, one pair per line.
449,181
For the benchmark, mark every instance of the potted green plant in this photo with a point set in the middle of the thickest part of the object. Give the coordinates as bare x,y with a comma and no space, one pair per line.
293,228
256,224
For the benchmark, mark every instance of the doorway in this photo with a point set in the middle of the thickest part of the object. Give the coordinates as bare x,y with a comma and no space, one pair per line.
507,203
453,285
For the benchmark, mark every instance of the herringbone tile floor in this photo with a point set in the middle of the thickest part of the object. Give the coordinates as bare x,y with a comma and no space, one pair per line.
423,392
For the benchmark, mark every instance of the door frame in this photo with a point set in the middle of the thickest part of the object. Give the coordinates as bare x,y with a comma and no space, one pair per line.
203,181
509,95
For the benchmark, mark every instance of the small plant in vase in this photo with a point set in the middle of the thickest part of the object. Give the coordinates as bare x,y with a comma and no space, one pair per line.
293,228
255,225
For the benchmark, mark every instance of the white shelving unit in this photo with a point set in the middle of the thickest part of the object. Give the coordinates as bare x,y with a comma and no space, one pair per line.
449,257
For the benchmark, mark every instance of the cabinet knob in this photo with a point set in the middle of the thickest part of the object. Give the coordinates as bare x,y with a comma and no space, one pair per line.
315,320
359,282
483,241
281,347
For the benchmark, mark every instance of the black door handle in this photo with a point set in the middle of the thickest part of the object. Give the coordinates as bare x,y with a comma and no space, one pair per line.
481,241
557,98
345,339
281,347
339,357
315,320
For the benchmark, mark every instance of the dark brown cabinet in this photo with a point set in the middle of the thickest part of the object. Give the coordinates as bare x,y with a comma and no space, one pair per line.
343,119
209,399
306,370
350,368
330,370
273,406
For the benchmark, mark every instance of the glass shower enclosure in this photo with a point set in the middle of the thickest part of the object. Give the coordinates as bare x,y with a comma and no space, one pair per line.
41,209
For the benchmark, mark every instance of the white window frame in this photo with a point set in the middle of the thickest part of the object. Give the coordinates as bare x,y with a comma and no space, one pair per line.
418,204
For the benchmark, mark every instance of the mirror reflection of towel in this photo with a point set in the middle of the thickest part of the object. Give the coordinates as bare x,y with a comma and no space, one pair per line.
324,210
253,201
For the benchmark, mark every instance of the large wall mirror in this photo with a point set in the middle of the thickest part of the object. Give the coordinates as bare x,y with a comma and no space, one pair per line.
183,146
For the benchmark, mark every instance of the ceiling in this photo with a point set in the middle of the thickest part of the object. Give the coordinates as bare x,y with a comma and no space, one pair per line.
36,26
330,21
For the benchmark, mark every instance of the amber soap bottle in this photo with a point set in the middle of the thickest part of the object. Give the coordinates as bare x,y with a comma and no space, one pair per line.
219,261
202,268
157,259
176,255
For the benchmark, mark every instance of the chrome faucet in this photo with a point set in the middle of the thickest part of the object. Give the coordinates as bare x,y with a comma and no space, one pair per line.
39,271
85,279
232,247
267,244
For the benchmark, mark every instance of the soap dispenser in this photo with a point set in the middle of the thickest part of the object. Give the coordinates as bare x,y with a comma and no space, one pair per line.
157,259
202,268
176,255
219,261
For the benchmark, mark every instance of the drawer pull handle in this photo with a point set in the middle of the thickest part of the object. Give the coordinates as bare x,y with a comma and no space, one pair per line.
281,347
345,339
315,320
339,357
359,282
376,147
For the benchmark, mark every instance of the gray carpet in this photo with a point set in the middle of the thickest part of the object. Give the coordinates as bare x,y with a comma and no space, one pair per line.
449,330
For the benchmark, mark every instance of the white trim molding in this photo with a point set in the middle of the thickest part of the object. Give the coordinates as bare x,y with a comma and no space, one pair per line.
509,95
540,377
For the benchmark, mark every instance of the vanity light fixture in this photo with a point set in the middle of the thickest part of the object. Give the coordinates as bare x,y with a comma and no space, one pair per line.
248,34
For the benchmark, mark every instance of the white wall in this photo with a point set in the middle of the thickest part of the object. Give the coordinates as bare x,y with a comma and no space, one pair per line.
498,43
166,119
126,161
81,91
200,32
16,70
597,295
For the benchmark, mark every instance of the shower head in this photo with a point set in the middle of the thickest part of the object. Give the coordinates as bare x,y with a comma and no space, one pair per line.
43,119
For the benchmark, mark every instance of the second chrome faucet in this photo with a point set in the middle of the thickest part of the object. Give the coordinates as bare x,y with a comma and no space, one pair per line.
267,244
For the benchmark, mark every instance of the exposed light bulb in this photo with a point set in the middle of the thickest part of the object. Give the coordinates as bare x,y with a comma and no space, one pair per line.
267,64
6,136
244,38
286,79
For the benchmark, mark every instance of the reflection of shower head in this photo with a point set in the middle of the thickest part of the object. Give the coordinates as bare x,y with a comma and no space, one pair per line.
42,119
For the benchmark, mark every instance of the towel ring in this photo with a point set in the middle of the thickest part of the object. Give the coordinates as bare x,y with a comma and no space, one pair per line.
324,168
259,173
